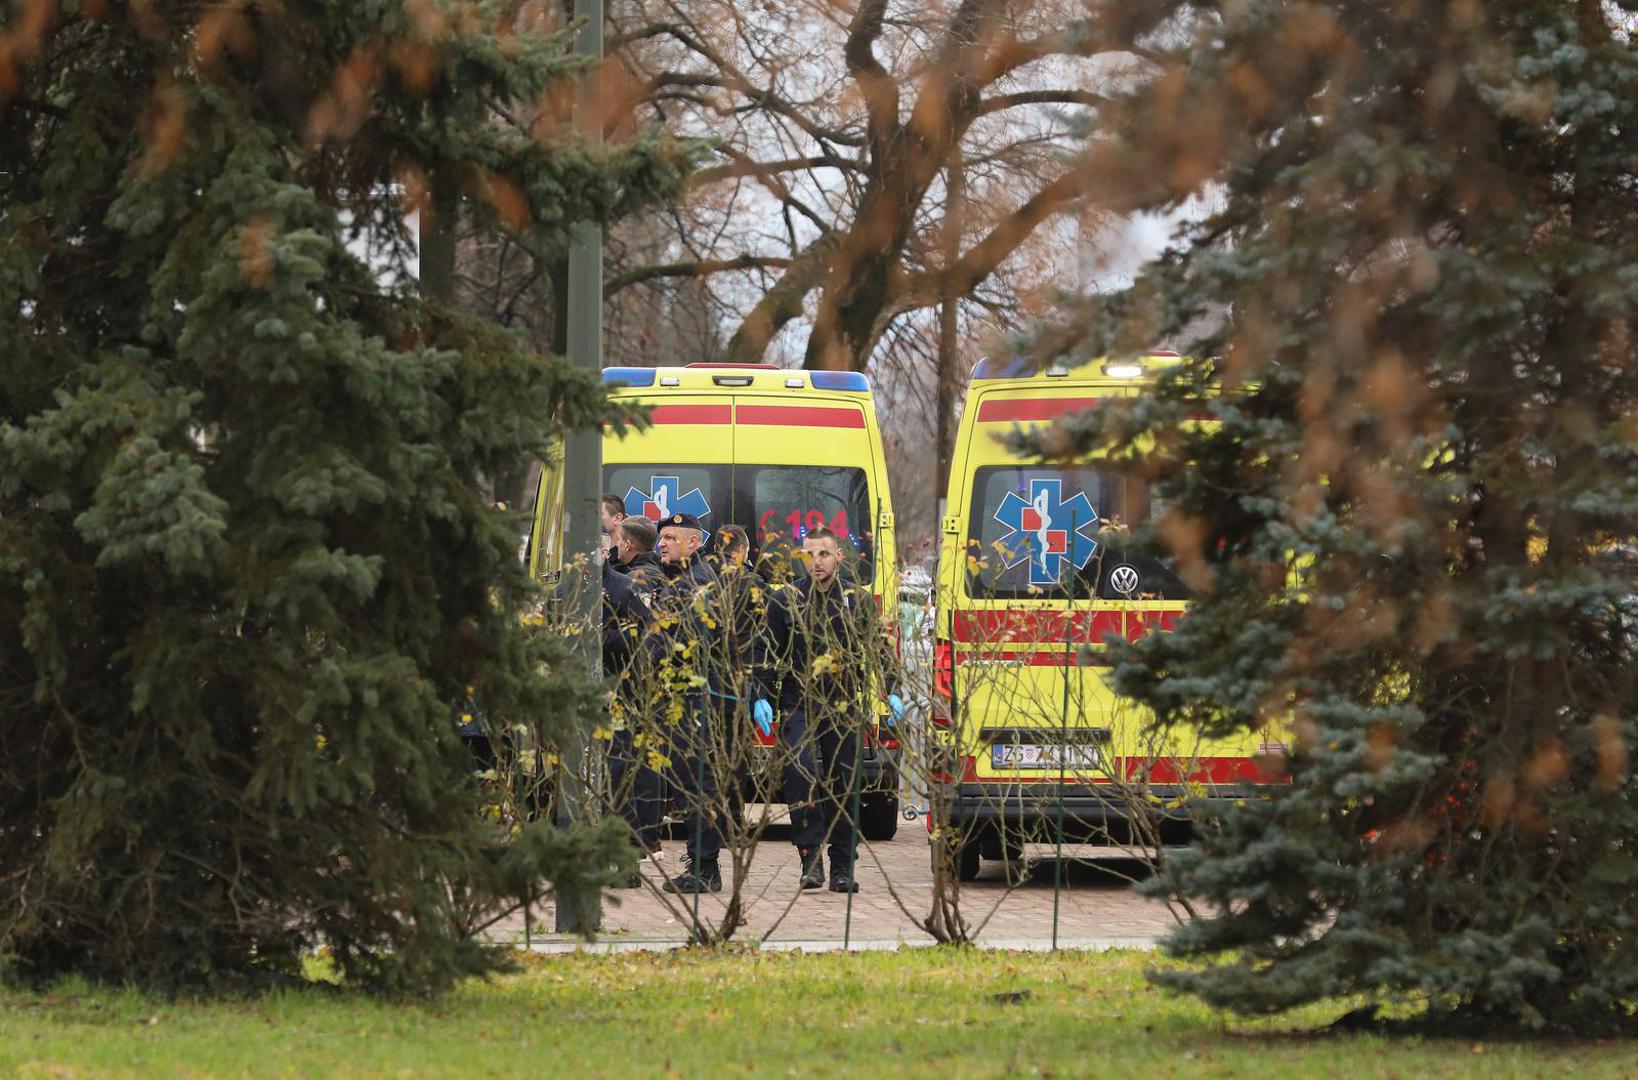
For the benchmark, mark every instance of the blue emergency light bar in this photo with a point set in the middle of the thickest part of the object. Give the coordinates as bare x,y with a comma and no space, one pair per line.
629,376
851,381
839,380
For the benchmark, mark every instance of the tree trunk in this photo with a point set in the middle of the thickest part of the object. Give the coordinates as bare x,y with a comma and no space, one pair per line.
948,320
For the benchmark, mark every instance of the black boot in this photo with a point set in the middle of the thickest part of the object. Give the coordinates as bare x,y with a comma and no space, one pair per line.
841,875
813,868
702,878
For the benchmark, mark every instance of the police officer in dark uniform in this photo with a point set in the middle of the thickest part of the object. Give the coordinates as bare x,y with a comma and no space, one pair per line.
634,555
821,647
638,790
744,595
738,606
676,654
625,619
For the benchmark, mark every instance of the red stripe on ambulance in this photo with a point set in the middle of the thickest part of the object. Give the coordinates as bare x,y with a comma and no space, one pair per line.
1200,770
1039,408
690,414
1025,658
1206,770
1081,627
799,416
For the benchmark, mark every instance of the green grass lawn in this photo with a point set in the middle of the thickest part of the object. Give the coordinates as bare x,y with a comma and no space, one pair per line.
914,1013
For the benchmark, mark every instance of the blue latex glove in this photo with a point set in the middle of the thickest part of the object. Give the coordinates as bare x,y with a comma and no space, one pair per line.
895,710
762,713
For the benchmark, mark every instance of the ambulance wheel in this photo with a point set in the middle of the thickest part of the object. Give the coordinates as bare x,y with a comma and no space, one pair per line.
967,861
1013,863
879,816
1008,850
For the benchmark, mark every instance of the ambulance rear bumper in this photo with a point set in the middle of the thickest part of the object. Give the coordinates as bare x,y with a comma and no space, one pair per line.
1088,812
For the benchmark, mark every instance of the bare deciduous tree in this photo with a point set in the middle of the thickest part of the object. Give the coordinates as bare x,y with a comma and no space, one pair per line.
823,222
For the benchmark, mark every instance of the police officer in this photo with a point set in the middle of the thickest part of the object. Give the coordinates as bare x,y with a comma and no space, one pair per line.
817,655
677,652
634,554
625,616
638,790
738,607
625,619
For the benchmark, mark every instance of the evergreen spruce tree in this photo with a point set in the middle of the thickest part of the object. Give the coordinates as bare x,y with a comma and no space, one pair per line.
1412,527
247,575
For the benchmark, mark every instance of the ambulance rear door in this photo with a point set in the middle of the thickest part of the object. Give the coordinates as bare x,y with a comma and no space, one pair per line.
682,464
1032,593
804,462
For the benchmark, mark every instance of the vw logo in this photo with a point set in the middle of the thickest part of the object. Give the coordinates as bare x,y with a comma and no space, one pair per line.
1124,580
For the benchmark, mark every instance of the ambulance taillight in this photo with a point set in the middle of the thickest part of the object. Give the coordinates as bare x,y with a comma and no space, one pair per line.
943,682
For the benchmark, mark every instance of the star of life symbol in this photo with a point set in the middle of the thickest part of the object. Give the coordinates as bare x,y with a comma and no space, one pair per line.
663,498
1047,529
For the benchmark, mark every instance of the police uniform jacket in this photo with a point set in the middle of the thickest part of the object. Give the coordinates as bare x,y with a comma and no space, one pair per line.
820,647
676,649
625,618
646,572
738,605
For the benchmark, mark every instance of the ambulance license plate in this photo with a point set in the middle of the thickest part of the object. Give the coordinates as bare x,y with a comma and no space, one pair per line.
1043,756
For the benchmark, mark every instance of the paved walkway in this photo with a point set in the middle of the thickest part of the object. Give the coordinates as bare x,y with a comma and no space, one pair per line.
1094,904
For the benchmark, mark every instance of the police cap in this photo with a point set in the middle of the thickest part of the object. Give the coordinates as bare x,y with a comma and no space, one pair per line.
681,521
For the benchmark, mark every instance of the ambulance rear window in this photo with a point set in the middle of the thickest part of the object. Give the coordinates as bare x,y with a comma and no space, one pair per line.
789,501
657,491
1039,532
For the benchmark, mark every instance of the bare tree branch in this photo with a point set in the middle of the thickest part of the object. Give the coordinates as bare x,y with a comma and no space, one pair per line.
765,97
982,259
1040,97
782,303
880,91
770,168
696,268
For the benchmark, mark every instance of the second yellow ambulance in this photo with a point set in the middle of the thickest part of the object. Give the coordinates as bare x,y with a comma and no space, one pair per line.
1033,569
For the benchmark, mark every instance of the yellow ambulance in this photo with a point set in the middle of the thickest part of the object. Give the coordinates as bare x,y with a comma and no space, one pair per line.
1034,566
777,452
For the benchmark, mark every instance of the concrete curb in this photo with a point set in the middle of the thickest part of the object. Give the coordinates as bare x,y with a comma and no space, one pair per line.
563,946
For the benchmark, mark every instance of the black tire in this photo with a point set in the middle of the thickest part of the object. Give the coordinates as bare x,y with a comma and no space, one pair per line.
1008,849
967,862
879,817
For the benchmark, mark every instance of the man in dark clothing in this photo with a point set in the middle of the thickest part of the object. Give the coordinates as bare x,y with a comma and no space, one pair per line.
610,513
744,596
634,554
738,606
625,617
676,654
822,651
639,789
